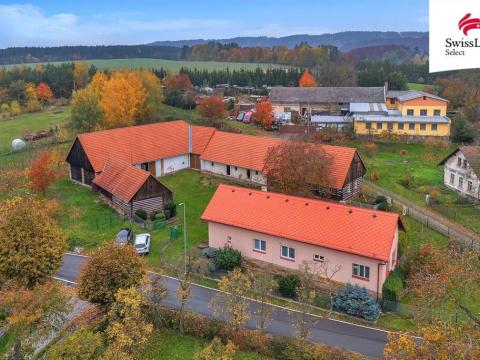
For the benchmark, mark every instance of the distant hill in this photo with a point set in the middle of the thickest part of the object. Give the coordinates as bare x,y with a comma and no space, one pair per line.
345,41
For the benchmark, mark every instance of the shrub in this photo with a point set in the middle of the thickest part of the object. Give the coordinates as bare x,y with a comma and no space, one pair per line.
160,215
374,176
227,258
167,214
356,301
434,194
142,214
380,199
15,108
171,207
393,285
383,206
403,152
370,149
288,285
407,181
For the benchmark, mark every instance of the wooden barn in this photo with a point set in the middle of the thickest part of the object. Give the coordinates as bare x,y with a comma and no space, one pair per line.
128,188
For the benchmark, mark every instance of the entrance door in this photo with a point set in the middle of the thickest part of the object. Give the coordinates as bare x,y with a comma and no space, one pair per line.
228,170
248,174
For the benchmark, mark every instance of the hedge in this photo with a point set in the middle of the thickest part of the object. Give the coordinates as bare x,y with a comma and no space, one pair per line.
393,285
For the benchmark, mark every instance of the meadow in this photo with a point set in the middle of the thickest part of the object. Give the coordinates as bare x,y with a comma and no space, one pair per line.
169,65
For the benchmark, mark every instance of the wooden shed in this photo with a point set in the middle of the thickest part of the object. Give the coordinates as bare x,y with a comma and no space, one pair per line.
128,188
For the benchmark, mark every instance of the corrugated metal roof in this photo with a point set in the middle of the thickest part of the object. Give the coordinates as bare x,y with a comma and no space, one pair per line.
349,229
368,107
404,119
330,119
404,95
279,94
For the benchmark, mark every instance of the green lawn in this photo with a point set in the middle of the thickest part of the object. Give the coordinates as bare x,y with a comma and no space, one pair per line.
169,344
416,86
171,65
12,128
422,162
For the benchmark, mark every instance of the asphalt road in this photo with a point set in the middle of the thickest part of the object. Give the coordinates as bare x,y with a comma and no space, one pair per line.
365,340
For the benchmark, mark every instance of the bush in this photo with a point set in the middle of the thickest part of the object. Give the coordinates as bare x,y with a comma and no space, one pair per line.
393,285
374,176
356,301
227,258
160,215
142,214
380,199
370,149
288,284
171,208
383,206
407,181
403,152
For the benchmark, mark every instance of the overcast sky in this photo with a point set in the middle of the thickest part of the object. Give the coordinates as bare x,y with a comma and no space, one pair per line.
103,22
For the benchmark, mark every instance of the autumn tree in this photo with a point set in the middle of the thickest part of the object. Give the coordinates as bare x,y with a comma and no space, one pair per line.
327,271
306,294
439,340
44,93
295,168
86,113
178,82
156,292
127,329
15,108
31,101
264,113
80,75
154,95
263,285
32,313
184,289
110,268
42,173
216,350
31,243
83,344
212,109
232,298
122,99
307,80
98,82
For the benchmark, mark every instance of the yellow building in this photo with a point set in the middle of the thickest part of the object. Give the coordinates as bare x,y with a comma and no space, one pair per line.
409,113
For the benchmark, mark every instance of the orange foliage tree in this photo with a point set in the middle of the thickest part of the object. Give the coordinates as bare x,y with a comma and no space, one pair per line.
42,173
178,82
44,93
307,80
122,99
264,113
212,109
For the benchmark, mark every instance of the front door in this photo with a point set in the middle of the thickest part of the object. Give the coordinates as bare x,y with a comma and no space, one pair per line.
228,170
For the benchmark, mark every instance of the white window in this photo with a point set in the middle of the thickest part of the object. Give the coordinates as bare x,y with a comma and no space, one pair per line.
452,178
361,271
460,182
318,257
259,245
459,162
288,252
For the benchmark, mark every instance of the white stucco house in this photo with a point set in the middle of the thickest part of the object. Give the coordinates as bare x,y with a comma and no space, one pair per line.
462,171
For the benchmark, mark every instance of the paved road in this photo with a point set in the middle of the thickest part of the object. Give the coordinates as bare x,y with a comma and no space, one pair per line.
365,340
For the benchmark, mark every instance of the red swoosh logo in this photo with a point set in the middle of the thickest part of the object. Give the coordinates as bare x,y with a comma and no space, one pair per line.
466,24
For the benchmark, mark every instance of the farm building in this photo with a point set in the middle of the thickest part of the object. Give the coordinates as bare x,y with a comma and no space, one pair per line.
128,188
164,148
286,231
462,171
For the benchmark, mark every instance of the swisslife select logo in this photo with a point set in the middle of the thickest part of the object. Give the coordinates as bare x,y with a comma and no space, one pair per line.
454,34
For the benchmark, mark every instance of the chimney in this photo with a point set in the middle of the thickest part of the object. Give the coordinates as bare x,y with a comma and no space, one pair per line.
190,139
386,86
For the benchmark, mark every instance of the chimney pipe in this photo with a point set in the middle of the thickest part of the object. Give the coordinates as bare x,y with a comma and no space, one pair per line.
190,139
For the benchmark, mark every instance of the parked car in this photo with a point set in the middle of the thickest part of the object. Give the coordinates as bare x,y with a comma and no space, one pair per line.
248,117
142,244
240,116
124,236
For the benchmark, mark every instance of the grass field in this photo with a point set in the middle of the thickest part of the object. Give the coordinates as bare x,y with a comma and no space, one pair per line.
169,344
12,128
421,162
416,86
170,65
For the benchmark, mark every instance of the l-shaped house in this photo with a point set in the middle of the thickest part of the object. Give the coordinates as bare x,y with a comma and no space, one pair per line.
163,148
287,230
462,171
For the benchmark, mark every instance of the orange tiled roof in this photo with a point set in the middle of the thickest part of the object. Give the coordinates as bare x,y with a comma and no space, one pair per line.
340,227
138,144
249,152
121,179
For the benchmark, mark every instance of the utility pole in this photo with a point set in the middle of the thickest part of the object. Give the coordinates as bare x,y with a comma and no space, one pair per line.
184,235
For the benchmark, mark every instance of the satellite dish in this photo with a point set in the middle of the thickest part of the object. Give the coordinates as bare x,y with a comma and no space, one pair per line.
18,145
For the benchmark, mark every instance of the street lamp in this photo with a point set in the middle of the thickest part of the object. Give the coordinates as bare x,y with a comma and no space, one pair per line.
184,235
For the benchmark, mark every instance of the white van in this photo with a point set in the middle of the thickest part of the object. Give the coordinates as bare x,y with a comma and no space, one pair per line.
142,244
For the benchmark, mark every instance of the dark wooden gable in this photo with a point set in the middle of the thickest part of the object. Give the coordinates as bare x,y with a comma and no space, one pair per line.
78,158
357,169
153,188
